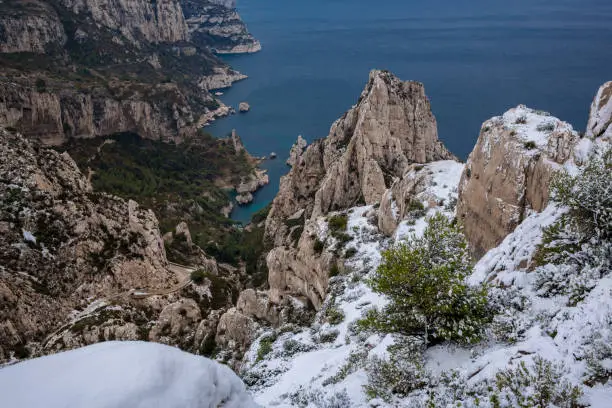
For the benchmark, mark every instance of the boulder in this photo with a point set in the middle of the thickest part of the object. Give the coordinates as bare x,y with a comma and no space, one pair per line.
244,107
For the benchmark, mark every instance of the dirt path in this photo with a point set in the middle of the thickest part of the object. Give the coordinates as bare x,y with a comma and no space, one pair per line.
181,271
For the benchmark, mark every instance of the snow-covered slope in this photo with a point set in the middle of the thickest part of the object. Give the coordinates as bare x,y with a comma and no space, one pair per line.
326,365
122,375
322,366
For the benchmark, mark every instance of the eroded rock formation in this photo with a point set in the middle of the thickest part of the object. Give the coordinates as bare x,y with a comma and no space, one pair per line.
508,173
296,151
373,144
78,267
137,20
600,118
55,117
32,26
217,24
110,67
391,127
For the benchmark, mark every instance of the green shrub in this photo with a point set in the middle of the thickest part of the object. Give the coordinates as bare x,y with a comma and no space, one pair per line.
400,374
265,347
424,280
342,238
261,215
521,120
546,127
334,315
540,385
41,85
350,252
318,246
337,223
292,347
327,336
296,233
334,270
415,208
198,276
530,145
355,361
588,222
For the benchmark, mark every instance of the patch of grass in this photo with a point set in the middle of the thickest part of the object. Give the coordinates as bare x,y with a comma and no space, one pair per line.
265,347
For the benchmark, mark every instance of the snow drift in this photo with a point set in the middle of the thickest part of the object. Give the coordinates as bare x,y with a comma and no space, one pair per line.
122,374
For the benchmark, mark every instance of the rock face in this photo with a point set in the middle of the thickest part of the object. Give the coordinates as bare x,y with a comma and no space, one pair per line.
62,244
370,146
110,67
600,118
217,24
140,21
296,151
508,173
390,128
78,267
421,184
220,78
249,185
55,117
32,26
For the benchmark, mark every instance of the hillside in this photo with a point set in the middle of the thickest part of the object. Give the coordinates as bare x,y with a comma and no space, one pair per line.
85,69
396,275
532,204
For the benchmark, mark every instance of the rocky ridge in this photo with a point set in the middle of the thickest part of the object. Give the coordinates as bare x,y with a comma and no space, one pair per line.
373,145
218,24
510,168
87,69
334,362
78,267
296,151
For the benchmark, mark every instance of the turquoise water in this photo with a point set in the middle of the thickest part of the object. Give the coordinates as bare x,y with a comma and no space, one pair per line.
476,58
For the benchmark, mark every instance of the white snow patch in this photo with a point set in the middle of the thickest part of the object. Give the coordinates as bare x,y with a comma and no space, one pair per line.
28,237
122,374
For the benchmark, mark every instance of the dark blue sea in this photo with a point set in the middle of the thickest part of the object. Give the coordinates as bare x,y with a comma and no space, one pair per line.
476,58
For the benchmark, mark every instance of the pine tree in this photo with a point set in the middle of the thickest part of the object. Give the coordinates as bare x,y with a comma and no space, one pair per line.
425,281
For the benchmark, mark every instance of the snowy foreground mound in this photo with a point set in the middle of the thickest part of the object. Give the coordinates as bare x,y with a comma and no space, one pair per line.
122,375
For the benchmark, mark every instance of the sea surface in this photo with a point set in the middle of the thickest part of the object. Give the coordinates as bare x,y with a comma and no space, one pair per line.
477,59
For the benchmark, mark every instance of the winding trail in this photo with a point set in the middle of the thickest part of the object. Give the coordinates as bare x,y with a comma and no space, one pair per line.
181,271
184,274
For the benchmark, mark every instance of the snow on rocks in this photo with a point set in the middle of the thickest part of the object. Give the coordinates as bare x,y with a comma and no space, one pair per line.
600,118
122,374
323,365
329,367
509,171
422,187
